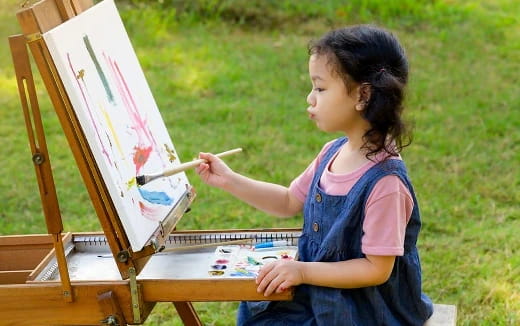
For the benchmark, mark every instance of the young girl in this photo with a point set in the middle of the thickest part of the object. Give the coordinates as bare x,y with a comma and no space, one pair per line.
358,261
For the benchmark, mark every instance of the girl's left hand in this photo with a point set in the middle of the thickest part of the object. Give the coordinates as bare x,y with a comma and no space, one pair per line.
278,276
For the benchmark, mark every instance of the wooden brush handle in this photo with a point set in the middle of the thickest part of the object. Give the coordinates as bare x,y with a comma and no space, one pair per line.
195,163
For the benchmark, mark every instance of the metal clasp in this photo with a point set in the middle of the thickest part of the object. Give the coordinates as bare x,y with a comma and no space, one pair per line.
110,320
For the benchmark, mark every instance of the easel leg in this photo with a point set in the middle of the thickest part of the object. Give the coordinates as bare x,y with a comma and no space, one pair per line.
187,313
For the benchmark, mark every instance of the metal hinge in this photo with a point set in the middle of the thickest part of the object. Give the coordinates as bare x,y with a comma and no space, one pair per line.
134,293
33,37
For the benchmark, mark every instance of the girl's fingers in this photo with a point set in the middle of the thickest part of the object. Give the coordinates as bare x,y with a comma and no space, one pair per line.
269,279
263,272
283,287
273,286
264,282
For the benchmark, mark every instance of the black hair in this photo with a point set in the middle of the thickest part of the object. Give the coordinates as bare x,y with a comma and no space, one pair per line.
368,54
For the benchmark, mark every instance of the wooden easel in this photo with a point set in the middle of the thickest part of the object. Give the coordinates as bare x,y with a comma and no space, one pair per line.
65,302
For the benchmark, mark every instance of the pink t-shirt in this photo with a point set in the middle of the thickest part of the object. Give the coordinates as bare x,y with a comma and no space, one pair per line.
387,211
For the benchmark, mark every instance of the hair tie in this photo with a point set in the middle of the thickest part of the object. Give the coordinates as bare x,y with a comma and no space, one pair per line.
382,70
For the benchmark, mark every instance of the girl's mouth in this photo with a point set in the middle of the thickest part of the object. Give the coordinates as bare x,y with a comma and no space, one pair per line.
311,115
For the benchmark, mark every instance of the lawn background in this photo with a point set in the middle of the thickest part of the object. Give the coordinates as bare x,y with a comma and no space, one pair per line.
231,74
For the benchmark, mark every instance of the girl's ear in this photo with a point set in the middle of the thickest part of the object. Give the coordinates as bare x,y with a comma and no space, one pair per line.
364,92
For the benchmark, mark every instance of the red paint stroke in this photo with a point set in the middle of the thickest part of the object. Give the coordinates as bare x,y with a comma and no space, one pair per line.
148,212
141,156
83,89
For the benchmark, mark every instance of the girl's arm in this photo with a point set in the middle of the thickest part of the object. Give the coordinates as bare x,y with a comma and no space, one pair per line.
354,273
268,197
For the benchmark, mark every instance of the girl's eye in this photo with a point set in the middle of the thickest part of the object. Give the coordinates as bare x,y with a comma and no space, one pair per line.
317,89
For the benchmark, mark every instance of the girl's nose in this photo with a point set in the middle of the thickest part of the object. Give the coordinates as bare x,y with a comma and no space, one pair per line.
311,99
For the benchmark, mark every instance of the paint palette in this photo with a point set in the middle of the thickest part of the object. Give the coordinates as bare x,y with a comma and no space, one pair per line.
244,261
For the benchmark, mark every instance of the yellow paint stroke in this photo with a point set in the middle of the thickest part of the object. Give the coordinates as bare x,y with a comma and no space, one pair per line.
112,131
171,153
130,183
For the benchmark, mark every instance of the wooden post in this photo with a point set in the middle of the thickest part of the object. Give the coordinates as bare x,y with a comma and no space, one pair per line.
187,313
40,155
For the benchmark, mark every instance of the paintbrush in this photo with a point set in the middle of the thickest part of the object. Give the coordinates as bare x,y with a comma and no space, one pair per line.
209,245
248,241
144,179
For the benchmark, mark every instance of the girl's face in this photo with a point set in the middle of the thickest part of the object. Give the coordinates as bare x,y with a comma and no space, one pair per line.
331,105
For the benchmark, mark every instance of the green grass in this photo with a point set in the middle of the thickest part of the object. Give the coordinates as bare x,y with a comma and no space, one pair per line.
237,76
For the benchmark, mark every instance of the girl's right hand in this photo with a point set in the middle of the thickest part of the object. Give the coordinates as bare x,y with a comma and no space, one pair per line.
214,172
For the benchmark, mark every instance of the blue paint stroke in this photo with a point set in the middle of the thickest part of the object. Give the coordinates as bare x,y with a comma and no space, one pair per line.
156,197
240,272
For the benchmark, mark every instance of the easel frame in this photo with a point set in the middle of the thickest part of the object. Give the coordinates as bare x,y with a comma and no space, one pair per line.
35,21
84,303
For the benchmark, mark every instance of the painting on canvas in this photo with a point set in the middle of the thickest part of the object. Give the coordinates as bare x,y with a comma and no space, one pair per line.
119,117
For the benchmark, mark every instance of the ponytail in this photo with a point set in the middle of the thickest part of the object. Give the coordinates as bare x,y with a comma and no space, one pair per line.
383,111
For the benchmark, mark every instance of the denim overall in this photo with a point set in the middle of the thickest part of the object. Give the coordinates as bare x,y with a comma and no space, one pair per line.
332,231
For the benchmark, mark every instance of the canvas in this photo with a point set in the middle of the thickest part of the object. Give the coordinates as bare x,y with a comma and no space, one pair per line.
119,117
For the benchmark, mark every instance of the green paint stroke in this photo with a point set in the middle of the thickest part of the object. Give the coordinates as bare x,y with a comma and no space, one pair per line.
100,72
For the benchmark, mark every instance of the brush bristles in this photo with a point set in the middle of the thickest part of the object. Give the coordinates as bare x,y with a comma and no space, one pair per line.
140,180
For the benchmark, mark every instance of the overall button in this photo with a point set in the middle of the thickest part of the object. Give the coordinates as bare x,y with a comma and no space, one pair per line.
318,198
315,227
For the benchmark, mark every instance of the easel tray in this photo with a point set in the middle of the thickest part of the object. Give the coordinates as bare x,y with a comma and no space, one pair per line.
186,256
